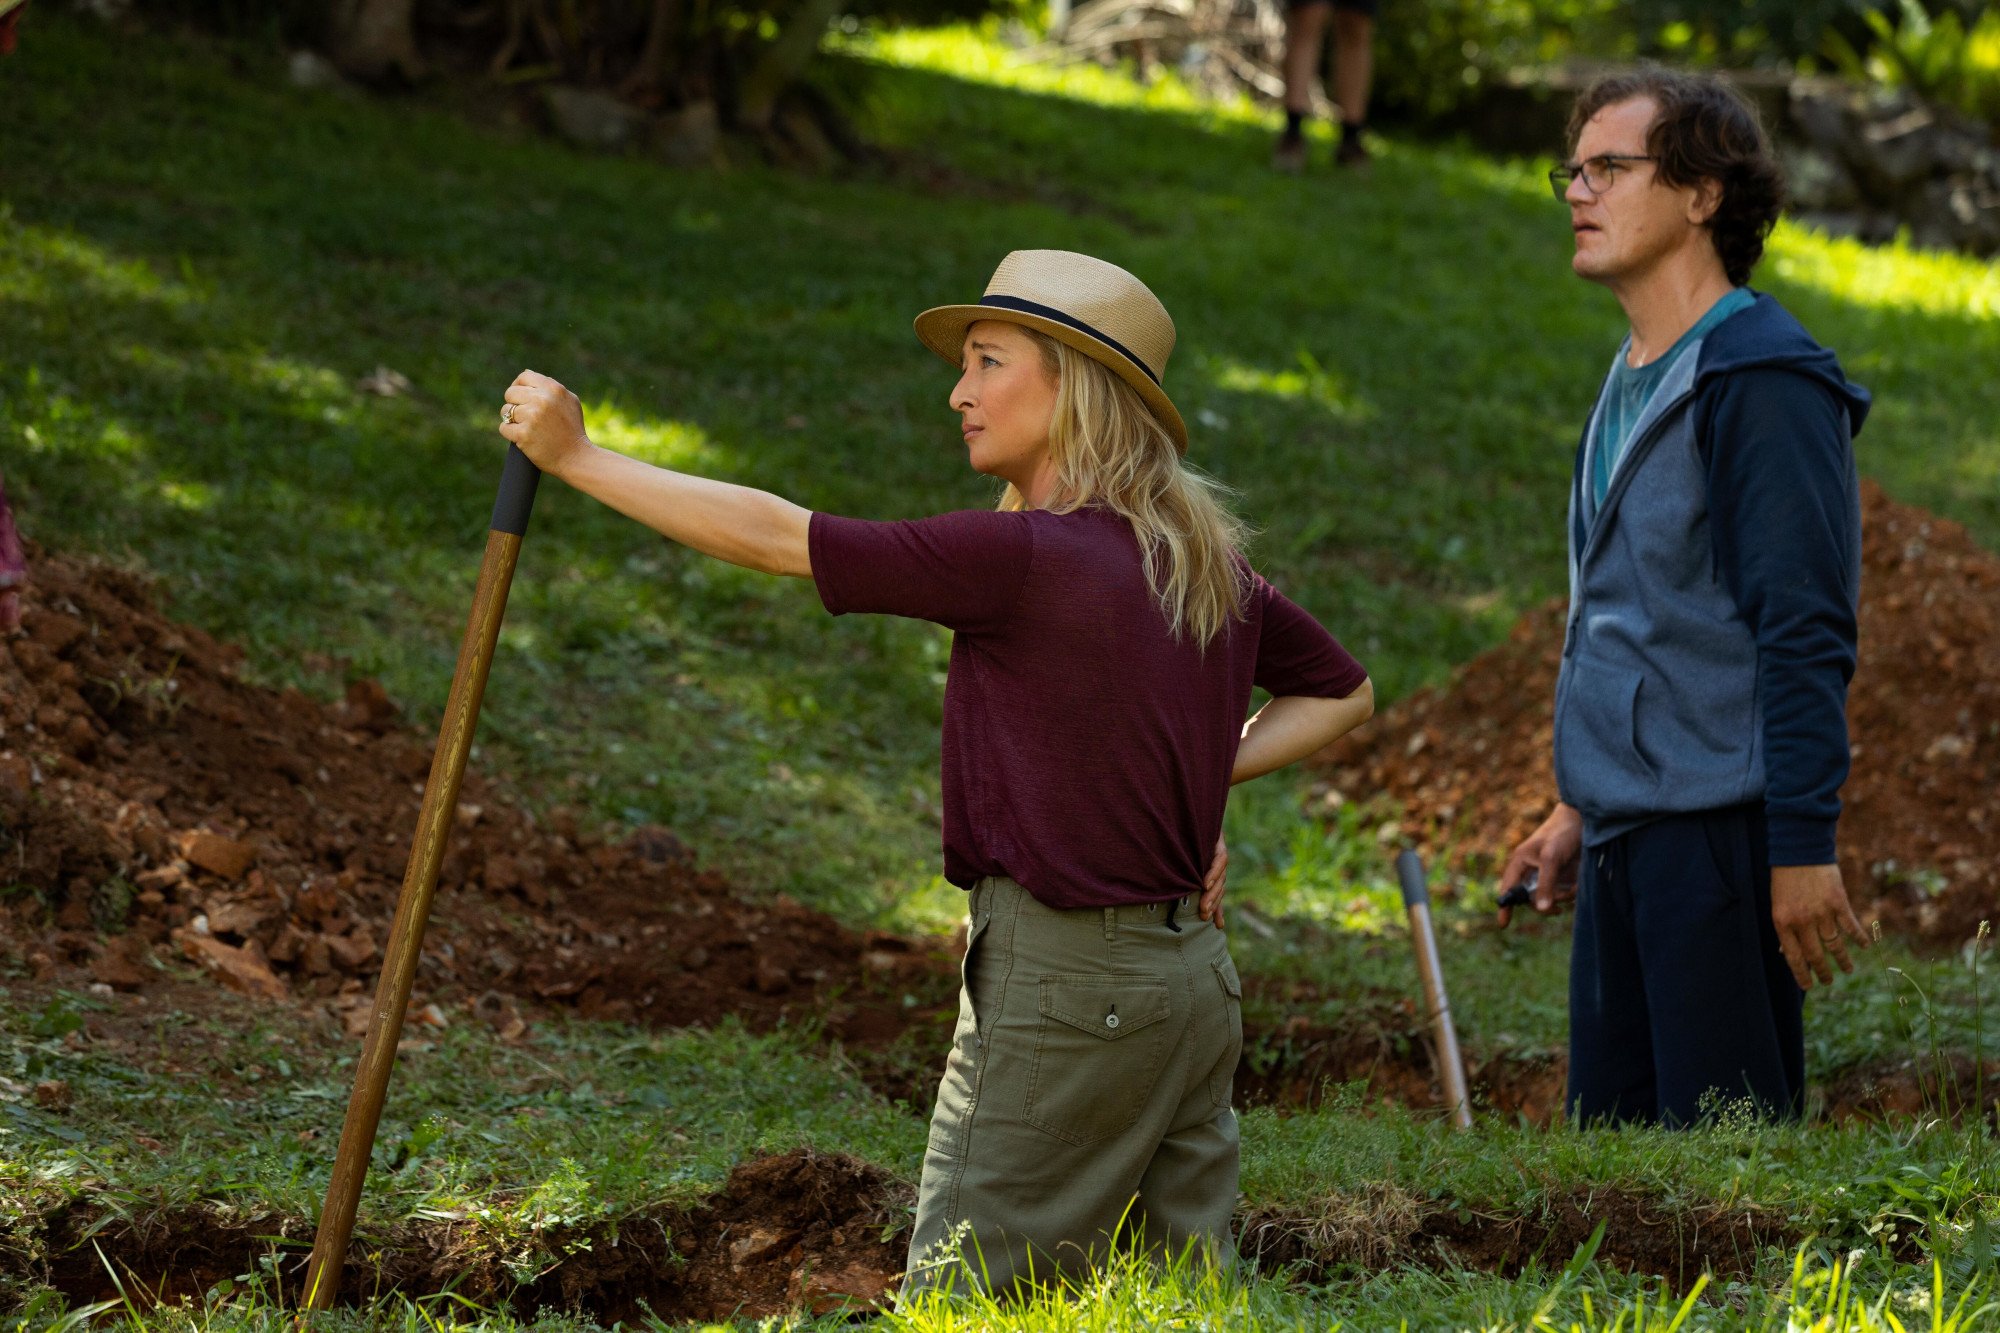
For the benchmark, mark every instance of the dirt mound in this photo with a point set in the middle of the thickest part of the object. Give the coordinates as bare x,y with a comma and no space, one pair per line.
1470,764
155,807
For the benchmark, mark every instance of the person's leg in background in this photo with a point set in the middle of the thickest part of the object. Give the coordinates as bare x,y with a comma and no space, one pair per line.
1305,34
1353,72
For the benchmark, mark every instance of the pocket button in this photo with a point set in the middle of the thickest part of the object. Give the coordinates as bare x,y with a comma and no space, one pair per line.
1111,1020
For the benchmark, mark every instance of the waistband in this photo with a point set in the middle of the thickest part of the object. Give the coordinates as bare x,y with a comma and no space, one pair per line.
1176,914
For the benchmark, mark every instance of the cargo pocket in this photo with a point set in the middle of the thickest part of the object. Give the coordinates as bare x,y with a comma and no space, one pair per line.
1098,1053
1222,1079
976,1000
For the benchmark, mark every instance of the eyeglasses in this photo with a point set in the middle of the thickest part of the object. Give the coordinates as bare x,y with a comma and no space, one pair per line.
1598,172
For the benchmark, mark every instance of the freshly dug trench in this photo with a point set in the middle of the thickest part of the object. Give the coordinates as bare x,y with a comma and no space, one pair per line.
1953,1088
1297,1063
804,1231
800,1230
1381,1225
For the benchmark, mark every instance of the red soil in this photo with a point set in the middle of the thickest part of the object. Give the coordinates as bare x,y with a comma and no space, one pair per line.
1469,762
159,808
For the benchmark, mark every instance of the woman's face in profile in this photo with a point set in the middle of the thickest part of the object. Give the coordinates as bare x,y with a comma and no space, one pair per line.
1005,399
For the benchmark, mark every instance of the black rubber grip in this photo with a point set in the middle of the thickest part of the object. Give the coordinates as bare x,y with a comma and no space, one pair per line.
1411,872
517,493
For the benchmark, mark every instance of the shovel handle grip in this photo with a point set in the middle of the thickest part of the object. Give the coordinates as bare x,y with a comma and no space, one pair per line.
516,500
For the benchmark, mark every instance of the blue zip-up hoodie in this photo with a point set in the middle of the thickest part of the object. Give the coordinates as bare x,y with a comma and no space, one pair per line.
1711,631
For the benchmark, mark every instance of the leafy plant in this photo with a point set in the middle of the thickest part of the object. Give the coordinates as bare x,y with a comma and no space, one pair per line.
1951,59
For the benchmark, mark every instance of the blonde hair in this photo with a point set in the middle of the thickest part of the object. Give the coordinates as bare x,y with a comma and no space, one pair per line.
1108,448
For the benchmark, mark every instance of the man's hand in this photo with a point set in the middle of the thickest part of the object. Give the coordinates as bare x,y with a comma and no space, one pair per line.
1210,907
1810,909
1552,852
546,421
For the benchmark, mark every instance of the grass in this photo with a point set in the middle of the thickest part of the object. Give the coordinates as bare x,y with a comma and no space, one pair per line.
570,1130
535,1149
1581,1298
195,272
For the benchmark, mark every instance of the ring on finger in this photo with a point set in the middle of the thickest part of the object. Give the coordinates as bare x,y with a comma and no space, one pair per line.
506,414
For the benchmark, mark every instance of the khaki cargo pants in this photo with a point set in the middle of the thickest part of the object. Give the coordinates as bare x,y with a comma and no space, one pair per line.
1086,1101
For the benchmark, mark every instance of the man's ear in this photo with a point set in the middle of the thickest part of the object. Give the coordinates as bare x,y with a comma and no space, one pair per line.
1704,202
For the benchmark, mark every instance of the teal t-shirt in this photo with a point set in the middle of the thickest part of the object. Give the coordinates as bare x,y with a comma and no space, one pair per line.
1631,388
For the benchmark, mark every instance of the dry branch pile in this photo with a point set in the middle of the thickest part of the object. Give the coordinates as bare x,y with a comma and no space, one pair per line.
1220,46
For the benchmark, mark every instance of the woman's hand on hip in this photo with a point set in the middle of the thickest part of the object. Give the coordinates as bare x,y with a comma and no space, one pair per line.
545,420
1212,884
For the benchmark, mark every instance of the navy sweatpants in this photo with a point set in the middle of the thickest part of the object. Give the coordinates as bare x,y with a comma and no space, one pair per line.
1678,995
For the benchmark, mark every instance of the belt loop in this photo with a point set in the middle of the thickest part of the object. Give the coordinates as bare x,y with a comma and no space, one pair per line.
1111,923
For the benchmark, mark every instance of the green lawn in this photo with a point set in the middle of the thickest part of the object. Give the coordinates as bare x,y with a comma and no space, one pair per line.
196,268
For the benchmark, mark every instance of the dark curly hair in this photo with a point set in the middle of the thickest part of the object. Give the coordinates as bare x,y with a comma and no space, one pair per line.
1705,130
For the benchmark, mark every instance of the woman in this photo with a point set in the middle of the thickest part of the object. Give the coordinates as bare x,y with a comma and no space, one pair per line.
1106,638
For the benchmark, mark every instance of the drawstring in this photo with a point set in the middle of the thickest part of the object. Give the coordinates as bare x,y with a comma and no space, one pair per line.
1173,907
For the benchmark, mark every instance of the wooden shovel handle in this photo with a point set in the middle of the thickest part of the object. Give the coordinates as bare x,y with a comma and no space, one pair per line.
413,907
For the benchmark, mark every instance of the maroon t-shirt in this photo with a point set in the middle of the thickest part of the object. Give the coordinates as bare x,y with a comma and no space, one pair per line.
1086,752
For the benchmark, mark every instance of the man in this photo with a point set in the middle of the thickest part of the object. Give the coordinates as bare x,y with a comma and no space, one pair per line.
1353,65
1700,715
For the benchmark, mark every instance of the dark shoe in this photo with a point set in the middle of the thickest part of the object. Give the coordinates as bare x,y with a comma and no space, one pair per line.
1353,151
1289,156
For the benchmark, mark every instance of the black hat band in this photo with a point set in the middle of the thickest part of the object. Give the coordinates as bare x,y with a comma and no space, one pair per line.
1050,312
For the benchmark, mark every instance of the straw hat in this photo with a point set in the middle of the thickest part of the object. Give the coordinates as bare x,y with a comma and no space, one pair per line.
1097,308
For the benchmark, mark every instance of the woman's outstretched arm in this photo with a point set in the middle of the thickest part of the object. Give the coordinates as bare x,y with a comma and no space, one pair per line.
744,526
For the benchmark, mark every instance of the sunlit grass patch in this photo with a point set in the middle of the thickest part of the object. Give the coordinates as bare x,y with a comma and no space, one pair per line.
1310,381
1892,277
48,266
974,53
669,444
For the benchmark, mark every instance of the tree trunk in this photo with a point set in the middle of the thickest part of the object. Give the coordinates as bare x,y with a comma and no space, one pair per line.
783,61
517,23
375,40
647,75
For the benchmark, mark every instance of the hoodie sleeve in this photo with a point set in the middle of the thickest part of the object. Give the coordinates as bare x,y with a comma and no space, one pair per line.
1785,515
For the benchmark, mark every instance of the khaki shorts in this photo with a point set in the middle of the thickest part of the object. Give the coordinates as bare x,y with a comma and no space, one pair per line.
1086,1102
